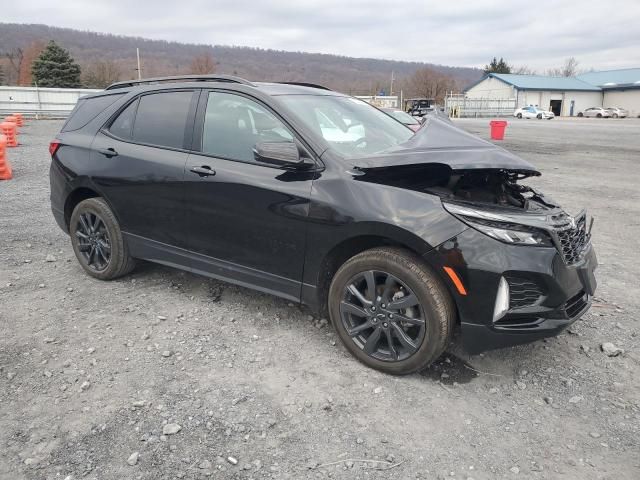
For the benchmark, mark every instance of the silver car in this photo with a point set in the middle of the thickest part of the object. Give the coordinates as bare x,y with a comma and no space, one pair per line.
618,112
595,112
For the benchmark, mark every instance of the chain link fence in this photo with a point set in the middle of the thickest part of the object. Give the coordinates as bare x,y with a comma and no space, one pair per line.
459,106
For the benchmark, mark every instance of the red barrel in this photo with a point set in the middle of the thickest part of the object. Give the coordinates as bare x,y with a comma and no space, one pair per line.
497,129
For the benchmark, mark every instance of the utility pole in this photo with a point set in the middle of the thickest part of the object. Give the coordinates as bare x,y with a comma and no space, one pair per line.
138,57
391,86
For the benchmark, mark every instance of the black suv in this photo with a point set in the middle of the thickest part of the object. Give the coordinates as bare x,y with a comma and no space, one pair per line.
320,198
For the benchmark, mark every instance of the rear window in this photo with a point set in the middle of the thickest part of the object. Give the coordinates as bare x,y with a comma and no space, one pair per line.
87,109
161,119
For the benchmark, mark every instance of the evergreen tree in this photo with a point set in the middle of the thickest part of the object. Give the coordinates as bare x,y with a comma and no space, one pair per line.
55,68
497,66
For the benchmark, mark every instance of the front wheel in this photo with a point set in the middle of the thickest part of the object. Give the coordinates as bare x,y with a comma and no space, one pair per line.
391,311
599,115
615,115
580,114
519,115
97,240
539,117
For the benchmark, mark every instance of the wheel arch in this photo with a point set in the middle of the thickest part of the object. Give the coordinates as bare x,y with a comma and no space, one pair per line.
349,247
74,198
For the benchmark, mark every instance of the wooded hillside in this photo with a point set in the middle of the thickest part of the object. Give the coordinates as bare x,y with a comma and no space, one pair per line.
100,51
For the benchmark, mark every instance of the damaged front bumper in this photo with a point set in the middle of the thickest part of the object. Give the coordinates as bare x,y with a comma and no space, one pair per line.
546,291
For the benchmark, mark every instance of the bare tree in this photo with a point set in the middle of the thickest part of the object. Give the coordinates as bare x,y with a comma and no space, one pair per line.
568,69
15,61
29,55
101,74
429,83
202,64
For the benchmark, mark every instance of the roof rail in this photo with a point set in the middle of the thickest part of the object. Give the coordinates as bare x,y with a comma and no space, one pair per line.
305,84
180,78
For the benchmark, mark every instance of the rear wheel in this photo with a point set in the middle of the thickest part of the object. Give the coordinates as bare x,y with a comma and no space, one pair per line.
539,116
519,115
615,115
599,115
580,114
97,240
391,311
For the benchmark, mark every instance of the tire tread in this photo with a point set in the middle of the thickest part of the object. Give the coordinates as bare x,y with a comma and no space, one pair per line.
441,301
124,263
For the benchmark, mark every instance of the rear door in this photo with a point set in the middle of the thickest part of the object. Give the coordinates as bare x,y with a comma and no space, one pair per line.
248,220
143,152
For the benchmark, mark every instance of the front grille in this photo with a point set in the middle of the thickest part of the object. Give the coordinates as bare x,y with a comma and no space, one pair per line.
522,293
573,240
576,304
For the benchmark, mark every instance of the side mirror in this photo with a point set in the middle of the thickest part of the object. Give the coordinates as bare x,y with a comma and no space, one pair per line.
277,153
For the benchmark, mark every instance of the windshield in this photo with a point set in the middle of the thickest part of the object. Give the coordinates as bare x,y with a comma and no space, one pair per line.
351,127
404,117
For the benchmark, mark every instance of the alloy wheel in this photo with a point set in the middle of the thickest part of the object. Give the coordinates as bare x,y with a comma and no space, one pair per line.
383,316
94,243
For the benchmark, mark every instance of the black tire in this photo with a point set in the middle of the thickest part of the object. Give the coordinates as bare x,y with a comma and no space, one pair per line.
580,114
615,115
105,255
519,115
539,116
435,307
599,115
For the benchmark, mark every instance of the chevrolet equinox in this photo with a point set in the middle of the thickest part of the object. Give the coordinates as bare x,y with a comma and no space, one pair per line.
320,198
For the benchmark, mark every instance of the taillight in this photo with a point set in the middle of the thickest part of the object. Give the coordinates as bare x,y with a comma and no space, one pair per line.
53,147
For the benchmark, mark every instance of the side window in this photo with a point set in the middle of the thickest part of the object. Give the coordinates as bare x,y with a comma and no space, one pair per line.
234,124
122,126
161,119
87,109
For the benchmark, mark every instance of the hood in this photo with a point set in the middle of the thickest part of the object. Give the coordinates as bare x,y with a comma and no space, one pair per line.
441,142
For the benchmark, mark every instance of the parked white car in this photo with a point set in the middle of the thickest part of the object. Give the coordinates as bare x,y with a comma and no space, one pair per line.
598,112
533,112
618,112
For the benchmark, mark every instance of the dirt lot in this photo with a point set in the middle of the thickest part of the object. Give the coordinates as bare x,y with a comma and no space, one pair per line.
92,373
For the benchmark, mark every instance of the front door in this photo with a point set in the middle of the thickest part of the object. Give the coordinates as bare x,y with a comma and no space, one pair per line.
247,220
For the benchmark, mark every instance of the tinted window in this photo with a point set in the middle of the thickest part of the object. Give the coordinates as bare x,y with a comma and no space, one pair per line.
87,109
161,119
123,124
234,124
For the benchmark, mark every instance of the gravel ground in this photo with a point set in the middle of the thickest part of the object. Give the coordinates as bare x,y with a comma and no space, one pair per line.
166,375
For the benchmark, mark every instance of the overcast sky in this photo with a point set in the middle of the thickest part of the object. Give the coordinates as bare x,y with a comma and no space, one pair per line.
601,34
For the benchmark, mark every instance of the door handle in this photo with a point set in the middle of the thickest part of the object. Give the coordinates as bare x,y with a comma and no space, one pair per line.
108,152
203,171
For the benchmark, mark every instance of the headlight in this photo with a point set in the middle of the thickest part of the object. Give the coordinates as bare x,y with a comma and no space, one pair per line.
500,228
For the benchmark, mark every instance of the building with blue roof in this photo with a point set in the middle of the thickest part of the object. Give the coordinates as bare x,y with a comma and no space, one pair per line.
565,96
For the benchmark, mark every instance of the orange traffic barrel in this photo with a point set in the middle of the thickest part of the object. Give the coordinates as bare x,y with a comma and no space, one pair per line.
19,118
11,118
10,130
497,129
5,168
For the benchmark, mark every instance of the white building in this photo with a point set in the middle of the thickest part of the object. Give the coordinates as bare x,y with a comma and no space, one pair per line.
565,96
620,88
